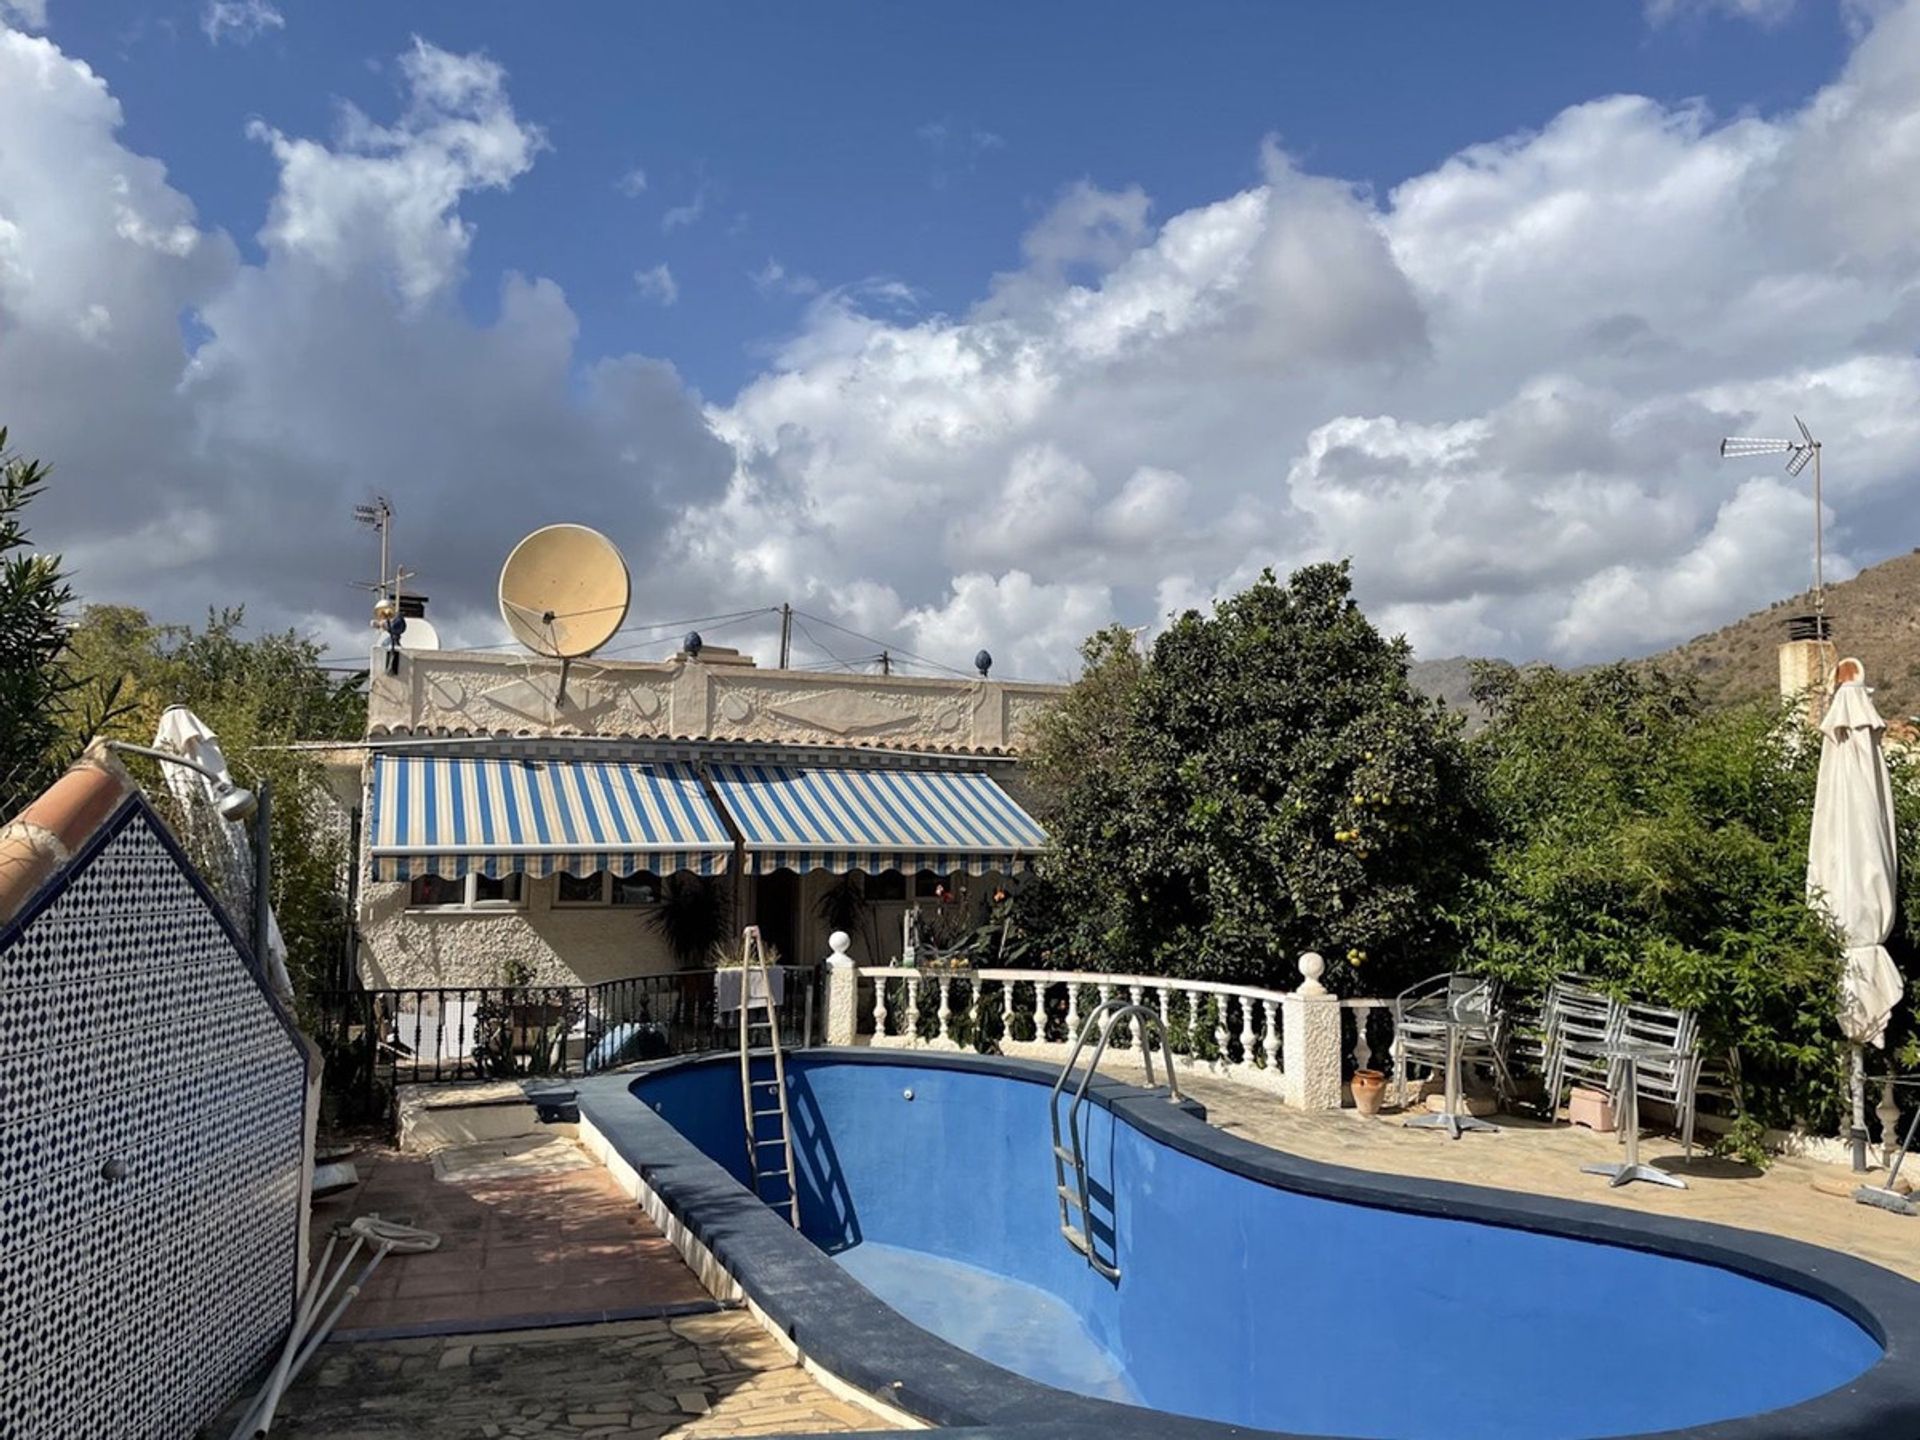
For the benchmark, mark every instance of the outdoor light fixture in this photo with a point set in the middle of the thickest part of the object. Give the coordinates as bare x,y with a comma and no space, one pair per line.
234,802
1800,453
983,662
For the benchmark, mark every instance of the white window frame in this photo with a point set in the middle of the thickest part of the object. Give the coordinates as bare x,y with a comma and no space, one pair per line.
470,904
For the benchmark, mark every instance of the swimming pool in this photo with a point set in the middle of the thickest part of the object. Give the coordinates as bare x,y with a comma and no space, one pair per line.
1256,1289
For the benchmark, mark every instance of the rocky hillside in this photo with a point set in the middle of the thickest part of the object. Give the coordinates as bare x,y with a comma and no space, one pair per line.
1875,616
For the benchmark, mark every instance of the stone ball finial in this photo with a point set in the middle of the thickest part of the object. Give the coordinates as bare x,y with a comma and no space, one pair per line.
838,942
1312,967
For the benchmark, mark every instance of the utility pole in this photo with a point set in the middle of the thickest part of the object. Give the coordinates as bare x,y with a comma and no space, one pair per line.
886,663
786,634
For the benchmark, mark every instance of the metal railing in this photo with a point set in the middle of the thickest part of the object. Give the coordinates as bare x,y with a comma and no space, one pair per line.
374,1040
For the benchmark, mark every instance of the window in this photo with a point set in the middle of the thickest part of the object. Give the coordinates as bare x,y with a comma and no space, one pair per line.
604,888
471,892
642,889
887,885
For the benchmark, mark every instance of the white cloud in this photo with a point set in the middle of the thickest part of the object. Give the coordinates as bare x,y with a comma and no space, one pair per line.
1497,387
1765,13
633,183
241,21
658,284
211,422
681,216
773,278
30,13
382,199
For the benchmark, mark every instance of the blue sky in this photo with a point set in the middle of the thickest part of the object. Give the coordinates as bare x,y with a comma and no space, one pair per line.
907,142
966,325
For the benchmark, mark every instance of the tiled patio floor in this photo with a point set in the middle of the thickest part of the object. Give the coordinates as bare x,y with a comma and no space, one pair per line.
553,1307
539,1248
701,1376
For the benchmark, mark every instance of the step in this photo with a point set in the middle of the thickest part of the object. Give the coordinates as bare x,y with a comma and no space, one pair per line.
762,1114
1072,1197
1076,1239
1062,1153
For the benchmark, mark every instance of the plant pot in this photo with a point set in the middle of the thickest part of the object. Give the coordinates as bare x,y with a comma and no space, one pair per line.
1591,1108
1369,1089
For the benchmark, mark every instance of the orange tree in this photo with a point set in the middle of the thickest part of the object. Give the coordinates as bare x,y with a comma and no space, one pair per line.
1263,781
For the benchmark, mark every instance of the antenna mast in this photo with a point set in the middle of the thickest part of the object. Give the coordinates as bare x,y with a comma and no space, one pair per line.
1800,453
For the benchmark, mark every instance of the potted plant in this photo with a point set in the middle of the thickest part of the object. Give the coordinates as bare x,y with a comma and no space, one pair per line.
1369,1089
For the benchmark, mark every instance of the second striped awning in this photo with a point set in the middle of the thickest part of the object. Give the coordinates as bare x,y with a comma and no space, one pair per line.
807,818
460,815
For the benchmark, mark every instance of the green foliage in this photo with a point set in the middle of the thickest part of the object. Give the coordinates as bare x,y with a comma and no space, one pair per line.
1661,847
259,694
1264,782
34,601
693,917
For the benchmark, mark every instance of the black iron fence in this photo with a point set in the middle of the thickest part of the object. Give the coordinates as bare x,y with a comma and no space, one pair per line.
374,1040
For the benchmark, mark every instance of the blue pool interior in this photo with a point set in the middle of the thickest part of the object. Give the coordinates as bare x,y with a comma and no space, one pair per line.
1244,1302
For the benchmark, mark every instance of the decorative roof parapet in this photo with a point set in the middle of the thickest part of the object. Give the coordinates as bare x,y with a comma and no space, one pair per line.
46,835
476,693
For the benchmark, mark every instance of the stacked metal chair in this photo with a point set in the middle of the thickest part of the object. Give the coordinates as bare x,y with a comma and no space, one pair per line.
1420,1021
1581,1022
1671,1079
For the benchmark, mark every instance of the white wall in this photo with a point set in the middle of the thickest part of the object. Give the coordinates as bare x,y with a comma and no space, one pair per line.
558,945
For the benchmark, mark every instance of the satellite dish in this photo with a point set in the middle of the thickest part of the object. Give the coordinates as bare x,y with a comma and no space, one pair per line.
420,635
564,591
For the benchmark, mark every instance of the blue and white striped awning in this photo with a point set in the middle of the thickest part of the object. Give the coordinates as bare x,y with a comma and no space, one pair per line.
873,820
459,815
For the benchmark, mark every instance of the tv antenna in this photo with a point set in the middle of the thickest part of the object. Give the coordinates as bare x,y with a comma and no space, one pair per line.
563,594
1800,453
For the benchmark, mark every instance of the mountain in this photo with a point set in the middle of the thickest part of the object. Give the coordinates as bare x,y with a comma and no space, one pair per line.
1875,617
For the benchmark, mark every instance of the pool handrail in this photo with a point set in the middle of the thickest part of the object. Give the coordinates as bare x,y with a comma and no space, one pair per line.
1106,1015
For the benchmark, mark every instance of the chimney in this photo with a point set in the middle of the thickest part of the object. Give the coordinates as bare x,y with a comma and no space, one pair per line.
1807,661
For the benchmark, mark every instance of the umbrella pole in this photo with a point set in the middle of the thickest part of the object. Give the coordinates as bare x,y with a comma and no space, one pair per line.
1859,1088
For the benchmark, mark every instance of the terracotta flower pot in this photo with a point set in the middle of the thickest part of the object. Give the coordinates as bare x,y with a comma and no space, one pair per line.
1369,1089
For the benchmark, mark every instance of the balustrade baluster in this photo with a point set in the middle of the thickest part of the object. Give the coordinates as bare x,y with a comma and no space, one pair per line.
910,1021
1362,1051
945,982
1220,1027
1073,1012
1246,1032
1134,992
1270,1042
1006,1009
879,1006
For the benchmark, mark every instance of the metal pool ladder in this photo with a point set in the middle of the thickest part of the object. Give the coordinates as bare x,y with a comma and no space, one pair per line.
1072,1156
753,968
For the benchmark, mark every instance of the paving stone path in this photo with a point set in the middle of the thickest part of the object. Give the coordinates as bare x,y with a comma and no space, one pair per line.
705,1375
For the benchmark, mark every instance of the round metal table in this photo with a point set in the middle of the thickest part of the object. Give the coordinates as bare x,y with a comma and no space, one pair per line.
1451,1119
1630,1053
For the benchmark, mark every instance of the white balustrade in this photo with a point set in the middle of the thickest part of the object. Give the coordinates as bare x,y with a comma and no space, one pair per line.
1254,1018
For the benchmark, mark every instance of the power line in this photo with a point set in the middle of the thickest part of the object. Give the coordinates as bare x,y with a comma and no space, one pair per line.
891,649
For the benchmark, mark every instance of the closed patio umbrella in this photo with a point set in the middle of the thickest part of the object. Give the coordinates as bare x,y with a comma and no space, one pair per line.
1851,866
185,733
